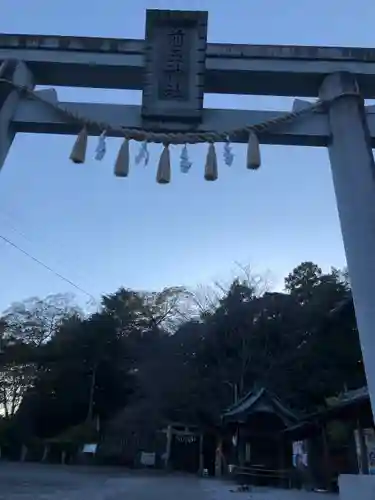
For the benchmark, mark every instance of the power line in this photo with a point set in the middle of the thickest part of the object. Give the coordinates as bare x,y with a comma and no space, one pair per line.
71,283
8,218
5,216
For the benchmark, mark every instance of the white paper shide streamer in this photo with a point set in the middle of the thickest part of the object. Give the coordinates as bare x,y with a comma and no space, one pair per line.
101,148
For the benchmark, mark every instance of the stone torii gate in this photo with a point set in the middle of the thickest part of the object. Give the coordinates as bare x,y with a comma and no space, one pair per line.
173,67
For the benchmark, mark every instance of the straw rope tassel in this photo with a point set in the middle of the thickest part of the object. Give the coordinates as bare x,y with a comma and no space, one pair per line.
78,153
122,160
163,175
211,171
253,152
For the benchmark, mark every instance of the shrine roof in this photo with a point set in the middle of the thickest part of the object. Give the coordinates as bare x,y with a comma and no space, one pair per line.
258,401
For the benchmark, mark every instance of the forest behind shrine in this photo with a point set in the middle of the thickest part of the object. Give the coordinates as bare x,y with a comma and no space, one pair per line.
177,354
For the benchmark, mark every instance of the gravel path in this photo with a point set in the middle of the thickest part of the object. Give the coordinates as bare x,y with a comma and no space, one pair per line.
50,482
217,490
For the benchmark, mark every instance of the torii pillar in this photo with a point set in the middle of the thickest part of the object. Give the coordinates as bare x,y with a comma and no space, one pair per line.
353,172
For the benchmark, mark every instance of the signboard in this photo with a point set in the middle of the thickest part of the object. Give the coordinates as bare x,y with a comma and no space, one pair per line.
148,459
89,448
175,54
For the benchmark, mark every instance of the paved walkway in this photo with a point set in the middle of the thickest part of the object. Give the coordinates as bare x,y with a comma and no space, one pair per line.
49,482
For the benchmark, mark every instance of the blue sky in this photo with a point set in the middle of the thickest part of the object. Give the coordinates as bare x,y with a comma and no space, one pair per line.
102,232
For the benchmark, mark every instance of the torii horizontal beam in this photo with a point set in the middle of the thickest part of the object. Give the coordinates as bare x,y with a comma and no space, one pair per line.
312,130
230,69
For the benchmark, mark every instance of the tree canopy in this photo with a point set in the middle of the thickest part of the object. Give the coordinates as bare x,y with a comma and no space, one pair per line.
176,353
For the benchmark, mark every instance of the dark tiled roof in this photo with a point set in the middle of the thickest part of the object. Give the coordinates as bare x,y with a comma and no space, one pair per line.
338,407
351,396
258,401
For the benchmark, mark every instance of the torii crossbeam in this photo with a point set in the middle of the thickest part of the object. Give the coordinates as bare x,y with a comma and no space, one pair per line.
173,101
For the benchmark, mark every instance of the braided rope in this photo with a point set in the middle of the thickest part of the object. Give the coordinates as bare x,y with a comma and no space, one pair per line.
170,137
175,137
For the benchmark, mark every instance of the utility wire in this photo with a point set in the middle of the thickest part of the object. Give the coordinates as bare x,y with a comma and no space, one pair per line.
10,223
71,283
9,220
